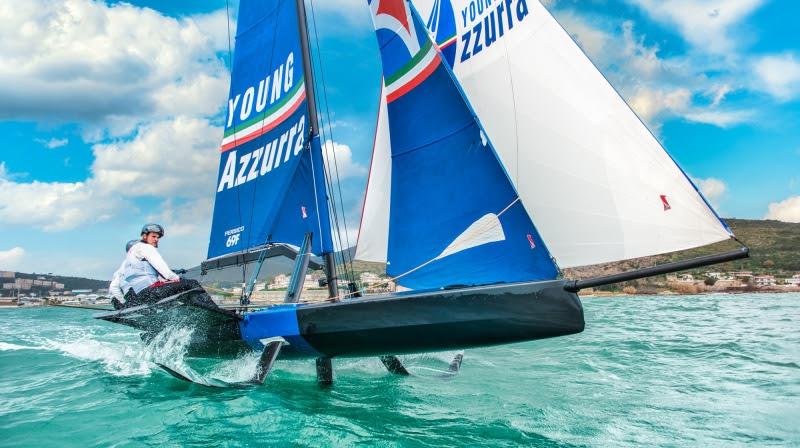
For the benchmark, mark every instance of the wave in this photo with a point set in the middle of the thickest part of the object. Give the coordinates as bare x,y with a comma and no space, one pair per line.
117,358
5,347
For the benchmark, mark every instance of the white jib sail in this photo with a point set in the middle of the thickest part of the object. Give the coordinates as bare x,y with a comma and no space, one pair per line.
597,184
373,233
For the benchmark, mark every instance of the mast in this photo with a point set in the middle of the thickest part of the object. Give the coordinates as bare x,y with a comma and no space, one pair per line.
330,267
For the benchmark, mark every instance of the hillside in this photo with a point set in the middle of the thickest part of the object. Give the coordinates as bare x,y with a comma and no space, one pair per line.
69,282
774,249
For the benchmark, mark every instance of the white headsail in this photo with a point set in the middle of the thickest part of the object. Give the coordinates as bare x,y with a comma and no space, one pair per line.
373,233
596,182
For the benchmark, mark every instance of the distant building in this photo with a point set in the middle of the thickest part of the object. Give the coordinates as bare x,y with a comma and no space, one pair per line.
58,285
728,283
742,274
793,280
9,286
281,281
23,283
764,280
369,278
7,274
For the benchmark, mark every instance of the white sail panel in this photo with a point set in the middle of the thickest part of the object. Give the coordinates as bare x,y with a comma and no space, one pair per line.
594,179
373,233
485,230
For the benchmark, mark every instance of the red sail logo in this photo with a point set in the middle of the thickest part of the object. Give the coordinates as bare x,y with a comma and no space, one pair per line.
665,203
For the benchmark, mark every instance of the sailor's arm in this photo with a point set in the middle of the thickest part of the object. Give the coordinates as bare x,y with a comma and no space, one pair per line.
152,256
115,289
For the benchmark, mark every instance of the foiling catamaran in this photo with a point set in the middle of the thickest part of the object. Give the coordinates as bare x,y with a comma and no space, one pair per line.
491,119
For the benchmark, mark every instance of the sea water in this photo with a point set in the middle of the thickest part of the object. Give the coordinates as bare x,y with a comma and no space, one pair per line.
711,370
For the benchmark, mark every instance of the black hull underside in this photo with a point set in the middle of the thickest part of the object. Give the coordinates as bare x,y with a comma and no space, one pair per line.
441,320
399,323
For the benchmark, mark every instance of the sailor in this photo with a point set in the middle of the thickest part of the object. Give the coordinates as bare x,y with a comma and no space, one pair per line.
117,296
146,278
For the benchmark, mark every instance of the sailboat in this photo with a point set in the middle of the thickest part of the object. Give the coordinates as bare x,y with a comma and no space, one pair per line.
501,155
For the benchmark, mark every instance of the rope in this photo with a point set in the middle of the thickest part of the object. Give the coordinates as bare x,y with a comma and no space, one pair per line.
345,255
412,270
230,63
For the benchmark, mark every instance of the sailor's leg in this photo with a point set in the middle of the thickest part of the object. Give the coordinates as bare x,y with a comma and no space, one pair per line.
130,299
324,371
162,290
393,364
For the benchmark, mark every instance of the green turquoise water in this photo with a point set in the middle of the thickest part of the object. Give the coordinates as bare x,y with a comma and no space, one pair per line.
716,370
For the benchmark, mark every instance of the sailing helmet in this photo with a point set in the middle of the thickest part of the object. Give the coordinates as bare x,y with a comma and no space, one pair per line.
130,244
153,228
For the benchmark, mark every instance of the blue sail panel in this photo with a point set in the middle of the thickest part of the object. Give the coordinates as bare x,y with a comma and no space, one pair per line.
454,218
442,24
266,190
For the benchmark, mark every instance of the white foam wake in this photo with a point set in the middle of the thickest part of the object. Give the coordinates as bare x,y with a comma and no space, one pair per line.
6,347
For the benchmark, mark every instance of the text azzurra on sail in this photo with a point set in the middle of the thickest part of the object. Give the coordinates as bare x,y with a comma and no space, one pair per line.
261,161
485,21
259,109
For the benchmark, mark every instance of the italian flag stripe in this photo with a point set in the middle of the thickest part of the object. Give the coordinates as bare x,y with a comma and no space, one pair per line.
266,122
410,77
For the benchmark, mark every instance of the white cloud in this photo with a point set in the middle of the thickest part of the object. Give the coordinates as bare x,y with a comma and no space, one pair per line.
83,60
659,88
649,103
708,25
53,143
53,206
9,176
10,259
712,188
191,217
594,42
778,75
718,93
720,118
787,210
170,159
342,155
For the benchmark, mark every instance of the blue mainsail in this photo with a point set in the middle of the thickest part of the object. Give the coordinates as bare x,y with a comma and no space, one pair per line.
270,183
454,218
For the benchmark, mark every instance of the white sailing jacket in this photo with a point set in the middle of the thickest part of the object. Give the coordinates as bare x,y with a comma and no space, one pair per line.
142,267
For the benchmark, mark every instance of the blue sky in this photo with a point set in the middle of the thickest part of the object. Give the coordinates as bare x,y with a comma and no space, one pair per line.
110,112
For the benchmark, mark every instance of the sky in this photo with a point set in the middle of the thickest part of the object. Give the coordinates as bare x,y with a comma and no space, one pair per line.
111,112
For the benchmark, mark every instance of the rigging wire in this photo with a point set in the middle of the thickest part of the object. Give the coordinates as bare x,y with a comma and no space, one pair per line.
412,270
269,64
230,63
263,154
347,260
